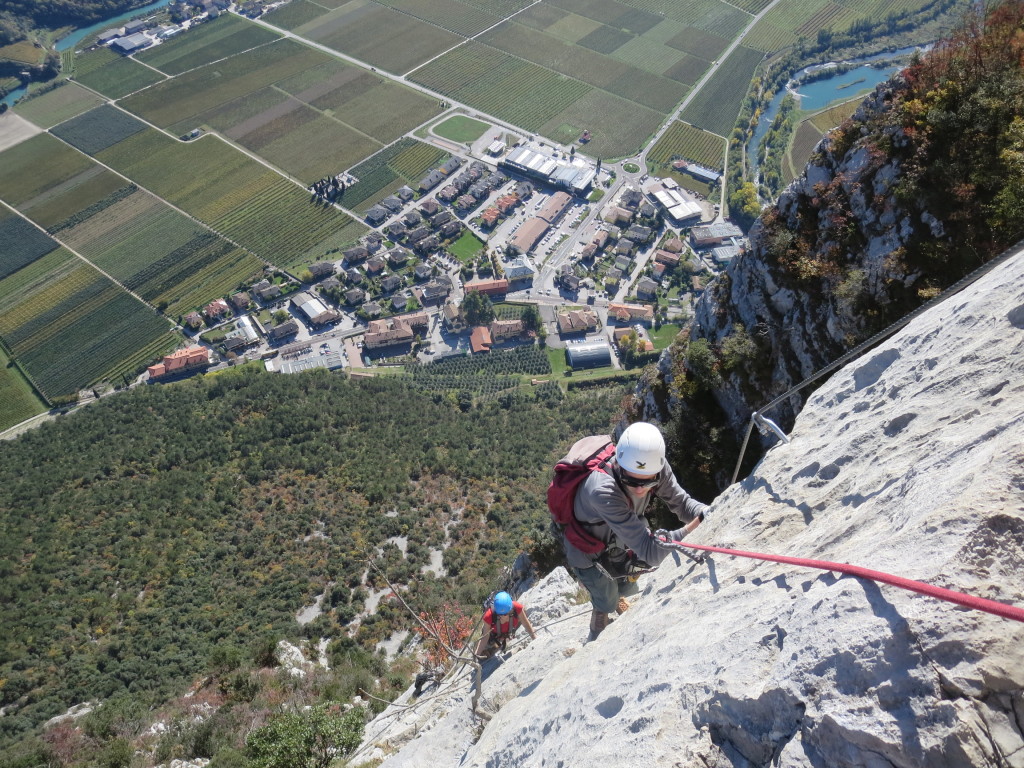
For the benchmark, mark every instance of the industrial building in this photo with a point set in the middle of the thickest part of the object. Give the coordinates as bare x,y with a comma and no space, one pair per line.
674,203
574,175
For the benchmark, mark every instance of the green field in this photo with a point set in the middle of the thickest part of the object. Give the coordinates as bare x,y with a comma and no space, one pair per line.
404,162
111,74
716,107
683,141
98,129
69,326
283,99
34,167
466,247
18,399
234,195
214,40
380,36
461,129
159,253
58,105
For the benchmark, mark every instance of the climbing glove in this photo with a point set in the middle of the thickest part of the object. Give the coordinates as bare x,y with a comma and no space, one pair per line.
677,535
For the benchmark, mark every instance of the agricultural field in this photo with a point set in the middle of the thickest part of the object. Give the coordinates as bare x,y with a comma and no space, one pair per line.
683,141
380,36
35,166
98,129
69,326
580,63
804,140
18,400
404,162
58,105
715,108
236,196
294,14
301,110
502,85
617,69
155,251
23,52
22,243
111,74
787,22
458,17
212,41
830,118
618,127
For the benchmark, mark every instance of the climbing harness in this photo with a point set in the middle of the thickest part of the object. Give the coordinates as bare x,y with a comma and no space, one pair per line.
949,595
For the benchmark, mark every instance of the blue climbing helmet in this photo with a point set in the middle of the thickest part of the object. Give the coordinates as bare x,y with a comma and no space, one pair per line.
503,603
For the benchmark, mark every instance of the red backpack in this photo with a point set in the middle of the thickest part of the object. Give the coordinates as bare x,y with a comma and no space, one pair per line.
585,456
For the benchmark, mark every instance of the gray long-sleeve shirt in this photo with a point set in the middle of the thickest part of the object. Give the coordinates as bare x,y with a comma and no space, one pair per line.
614,516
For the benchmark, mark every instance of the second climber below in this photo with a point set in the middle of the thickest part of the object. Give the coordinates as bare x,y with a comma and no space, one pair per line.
611,505
501,621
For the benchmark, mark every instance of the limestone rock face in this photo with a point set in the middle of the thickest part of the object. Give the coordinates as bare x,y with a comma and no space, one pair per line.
909,461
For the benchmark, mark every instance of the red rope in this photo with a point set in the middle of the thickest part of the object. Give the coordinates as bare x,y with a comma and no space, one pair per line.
949,595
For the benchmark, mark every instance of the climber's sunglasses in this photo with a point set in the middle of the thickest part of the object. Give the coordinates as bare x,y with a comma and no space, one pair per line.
640,482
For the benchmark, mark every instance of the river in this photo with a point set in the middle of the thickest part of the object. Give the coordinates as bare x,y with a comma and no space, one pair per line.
79,35
820,94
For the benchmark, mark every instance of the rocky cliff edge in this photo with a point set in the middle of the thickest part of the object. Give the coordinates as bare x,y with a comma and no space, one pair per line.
910,461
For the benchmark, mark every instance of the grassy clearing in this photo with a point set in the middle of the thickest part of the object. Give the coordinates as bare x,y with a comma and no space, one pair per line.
664,336
834,116
466,247
58,105
18,398
461,129
23,52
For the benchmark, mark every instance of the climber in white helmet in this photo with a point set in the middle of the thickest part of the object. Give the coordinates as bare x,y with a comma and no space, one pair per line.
611,504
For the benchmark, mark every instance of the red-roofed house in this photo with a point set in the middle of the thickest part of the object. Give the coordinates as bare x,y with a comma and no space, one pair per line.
490,216
216,308
625,313
180,361
488,287
506,203
666,257
480,339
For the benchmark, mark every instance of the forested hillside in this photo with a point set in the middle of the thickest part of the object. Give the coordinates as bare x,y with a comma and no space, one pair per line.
153,535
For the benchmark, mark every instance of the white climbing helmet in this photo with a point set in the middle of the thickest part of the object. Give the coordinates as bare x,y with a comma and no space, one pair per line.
641,449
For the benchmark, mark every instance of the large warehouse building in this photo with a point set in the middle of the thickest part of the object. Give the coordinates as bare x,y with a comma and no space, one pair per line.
576,175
